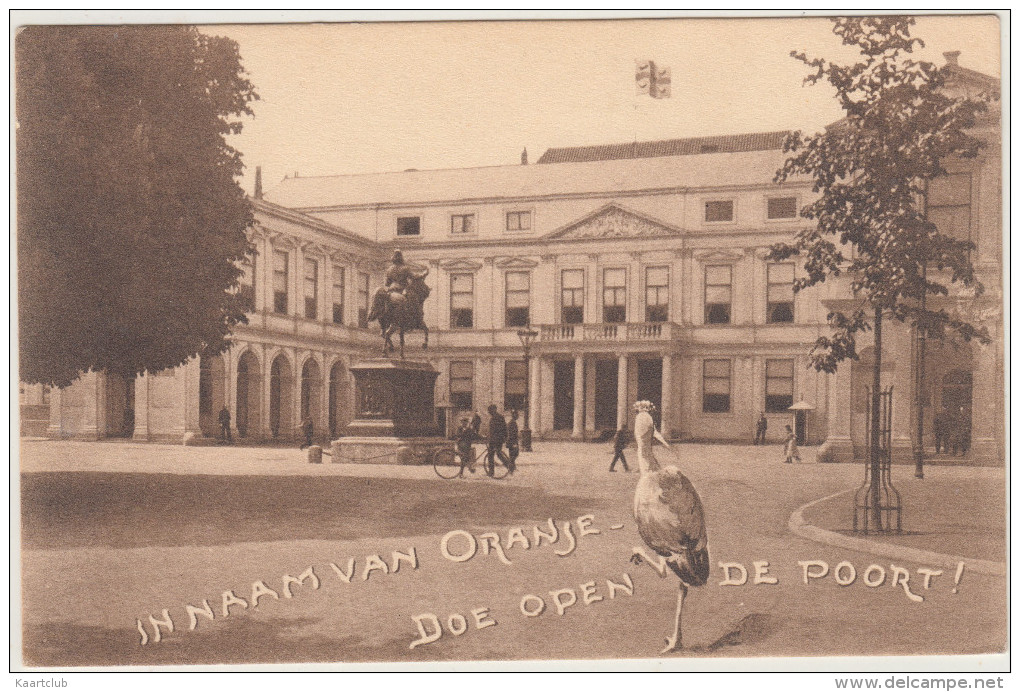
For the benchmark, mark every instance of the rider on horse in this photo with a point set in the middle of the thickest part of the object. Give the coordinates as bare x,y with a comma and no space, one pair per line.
393,292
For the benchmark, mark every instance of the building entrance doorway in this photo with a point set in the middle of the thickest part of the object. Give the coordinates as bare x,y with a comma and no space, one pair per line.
606,379
957,399
563,395
120,405
248,389
649,386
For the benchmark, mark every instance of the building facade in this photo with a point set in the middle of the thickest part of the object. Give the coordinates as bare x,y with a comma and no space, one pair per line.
643,269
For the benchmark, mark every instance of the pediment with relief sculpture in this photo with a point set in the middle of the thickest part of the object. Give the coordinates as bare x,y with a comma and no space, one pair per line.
613,221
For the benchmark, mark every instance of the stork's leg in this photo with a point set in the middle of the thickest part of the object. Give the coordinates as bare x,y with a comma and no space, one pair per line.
675,643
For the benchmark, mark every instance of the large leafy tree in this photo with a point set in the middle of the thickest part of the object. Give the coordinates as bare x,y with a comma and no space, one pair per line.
871,171
130,218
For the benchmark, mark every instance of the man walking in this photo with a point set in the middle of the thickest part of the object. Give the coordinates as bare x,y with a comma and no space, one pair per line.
760,428
464,436
622,440
224,419
513,440
308,428
497,438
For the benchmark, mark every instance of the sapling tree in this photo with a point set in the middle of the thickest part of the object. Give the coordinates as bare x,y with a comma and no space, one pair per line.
871,173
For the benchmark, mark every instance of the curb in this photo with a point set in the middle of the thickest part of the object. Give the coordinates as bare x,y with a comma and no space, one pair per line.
801,528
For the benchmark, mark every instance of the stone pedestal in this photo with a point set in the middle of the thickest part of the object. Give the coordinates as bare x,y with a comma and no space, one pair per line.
394,417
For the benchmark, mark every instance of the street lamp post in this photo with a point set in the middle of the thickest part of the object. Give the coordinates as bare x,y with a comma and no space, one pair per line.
527,336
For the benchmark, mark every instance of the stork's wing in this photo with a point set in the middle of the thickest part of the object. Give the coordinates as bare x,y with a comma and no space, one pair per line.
673,522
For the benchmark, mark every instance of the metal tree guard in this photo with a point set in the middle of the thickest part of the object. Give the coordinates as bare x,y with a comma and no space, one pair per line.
880,490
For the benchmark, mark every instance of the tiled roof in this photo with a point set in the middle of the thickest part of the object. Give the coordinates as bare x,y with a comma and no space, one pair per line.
752,141
516,182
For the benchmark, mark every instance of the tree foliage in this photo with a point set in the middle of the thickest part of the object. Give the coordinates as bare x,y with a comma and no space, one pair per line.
871,171
130,217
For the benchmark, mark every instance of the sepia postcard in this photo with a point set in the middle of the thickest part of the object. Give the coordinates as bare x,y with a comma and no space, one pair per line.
504,342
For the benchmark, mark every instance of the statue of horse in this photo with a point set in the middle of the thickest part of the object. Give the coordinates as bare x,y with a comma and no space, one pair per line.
403,313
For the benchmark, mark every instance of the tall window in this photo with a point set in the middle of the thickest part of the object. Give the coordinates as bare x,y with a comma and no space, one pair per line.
780,293
247,281
778,385
572,296
716,386
462,224
462,301
363,300
614,295
716,212
949,205
782,208
518,299
311,288
280,278
409,225
462,377
518,221
718,293
338,294
656,294
515,377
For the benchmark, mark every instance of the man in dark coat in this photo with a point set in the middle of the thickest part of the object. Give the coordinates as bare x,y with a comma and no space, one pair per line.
464,436
308,428
760,428
621,442
497,438
224,419
513,440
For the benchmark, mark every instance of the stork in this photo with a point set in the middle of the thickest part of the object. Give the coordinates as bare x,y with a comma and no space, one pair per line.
670,517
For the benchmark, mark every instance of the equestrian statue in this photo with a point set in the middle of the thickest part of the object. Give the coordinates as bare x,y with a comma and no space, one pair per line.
399,304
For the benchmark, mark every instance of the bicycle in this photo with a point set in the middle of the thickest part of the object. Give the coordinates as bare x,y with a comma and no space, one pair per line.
446,465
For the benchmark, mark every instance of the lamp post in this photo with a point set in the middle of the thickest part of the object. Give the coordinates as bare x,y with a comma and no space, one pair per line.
527,336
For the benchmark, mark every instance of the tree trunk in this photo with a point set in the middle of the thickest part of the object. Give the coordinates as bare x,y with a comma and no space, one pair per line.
922,373
875,452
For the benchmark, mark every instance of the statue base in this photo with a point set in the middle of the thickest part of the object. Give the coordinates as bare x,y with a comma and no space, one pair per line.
405,451
395,414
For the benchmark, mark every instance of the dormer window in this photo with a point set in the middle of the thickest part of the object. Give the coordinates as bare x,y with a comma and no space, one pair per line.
719,211
782,208
409,225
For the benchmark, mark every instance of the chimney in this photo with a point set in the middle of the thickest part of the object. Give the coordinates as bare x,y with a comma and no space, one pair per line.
952,57
295,174
524,157
258,182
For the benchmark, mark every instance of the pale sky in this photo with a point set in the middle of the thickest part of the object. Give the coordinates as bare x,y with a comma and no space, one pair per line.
358,98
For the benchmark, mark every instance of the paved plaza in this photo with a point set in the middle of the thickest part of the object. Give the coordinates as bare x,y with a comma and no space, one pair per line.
114,533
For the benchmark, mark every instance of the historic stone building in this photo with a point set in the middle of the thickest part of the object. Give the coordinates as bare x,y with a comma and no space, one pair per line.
642,267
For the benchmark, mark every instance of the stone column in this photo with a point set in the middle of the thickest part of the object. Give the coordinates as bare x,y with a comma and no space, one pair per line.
622,414
667,395
267,369
578,430
141,432
55,428
986,405
838,445
189,375
296,417
546,397
534,394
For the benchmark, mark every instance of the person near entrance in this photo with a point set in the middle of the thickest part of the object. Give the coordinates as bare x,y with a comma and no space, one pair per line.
790,446
760,428
497,438
513,439
619,444
224,419
308,429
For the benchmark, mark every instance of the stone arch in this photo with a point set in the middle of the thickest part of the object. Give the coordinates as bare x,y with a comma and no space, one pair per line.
281,389
311,390
212,395
248,394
